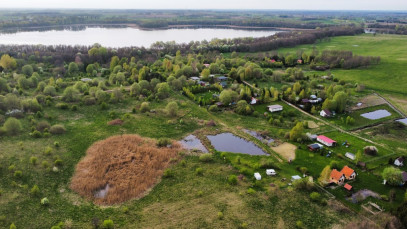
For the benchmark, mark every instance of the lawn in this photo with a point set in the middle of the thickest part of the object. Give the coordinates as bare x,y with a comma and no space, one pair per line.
360,121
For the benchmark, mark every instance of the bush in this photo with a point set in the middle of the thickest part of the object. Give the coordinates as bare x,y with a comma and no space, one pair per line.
232,179
213,108
108,224
370,150
45,164
168,173
56,144
58,162
18,174
74,108
145,106
299,224
63,106
35,191
36,134
57,129
163,142
12,226
251,191
315,196
220,215
172,109
41,126
183,163
33,160
44,201
12,126
206,157
48,150
198,171
11,168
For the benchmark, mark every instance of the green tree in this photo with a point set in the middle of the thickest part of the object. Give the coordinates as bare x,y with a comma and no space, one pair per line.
12,126
228,96
73,68
27,70
297,132
135,89
90,68
341,99
163,90
392,176
4,87
70,94
7,62
50,90
358,156
172,108
325,175
297,87
114,62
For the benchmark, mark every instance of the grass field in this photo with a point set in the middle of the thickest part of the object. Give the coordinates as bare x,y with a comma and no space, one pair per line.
361,121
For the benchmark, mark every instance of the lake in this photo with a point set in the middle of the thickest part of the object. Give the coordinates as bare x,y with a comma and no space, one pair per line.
125,36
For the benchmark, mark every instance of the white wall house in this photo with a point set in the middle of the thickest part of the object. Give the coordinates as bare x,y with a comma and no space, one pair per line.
275,108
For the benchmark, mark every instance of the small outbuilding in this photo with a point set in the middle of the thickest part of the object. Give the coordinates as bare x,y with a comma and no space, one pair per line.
195,78
257,176
275,108
315,147
348,187
253,101
271,172
350,156
325,113
312,137
326,141
295,177
399,161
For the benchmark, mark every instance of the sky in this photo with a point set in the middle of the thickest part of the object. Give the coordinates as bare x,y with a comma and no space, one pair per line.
211,4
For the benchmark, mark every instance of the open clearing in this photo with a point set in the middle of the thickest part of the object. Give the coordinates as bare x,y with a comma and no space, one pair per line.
120,168
287,150
369,101
312,125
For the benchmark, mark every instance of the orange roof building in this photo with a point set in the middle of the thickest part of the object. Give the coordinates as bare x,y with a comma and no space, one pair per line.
348,172
337,177
348,187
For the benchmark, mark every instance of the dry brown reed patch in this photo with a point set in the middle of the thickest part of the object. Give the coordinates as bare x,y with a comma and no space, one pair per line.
129,164
115,122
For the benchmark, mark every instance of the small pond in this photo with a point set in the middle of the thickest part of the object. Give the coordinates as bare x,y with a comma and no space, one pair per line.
404,121
191,142
101,193
362,195
376,114
264,139
227,142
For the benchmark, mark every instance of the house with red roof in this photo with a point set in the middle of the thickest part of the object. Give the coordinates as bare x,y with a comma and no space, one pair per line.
348,187
336,177
348,172
326,141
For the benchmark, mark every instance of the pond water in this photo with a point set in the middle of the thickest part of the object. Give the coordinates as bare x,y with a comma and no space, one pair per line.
264,139
227,142
125,36
191,142
101,193
404,120
378,114
362,195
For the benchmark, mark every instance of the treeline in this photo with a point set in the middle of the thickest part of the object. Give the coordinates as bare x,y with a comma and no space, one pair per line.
388,28
341,59
57,55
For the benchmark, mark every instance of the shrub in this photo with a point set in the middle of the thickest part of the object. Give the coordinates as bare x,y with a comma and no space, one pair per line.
163,142
168,173
48,150
199,171
303,184
56,144
63,106
299,224
33,160
206,157
232,179
315,196
213,108
12,226
35,191
370,150
108,224
58,162
50,90
145,106
41,126
36,134
104,106
45,164
220,215
251,191
12,126
18,174
172,109
44,201
74,108
183,163
334,165
57,129
11,168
